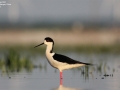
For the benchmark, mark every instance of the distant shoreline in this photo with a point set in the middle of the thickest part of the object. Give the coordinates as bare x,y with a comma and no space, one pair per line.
61,37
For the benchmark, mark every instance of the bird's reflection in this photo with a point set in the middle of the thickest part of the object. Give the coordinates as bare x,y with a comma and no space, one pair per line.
62,87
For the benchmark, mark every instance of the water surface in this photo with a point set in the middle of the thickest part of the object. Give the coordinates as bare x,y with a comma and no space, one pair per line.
36,73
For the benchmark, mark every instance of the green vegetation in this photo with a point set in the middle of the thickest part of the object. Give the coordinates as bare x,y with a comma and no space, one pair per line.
92,49
78,48
13,62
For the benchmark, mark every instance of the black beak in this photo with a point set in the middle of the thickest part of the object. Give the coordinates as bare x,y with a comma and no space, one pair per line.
39,45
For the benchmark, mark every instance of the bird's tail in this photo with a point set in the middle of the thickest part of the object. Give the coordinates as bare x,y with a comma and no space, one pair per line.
87,63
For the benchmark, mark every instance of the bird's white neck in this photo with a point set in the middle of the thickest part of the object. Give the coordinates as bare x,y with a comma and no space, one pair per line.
49,52
49,48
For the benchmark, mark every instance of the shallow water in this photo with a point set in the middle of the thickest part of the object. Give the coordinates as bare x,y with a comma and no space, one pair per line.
103,75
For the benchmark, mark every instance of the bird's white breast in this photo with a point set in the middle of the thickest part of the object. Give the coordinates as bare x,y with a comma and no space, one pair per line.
49,57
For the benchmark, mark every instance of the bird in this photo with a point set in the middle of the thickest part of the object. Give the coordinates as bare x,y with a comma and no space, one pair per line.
59,61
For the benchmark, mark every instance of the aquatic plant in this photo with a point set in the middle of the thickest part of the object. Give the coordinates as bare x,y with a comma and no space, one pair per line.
14,62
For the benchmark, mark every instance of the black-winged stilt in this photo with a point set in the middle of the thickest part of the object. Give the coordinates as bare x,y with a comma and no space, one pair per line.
59,61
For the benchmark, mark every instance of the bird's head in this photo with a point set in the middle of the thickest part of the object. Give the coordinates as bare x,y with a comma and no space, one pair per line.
47,41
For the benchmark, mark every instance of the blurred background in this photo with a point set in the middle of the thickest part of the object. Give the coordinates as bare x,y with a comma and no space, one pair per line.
79,22
88,30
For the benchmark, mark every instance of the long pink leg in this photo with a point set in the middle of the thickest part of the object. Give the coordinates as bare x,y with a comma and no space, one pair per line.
61,77
61,81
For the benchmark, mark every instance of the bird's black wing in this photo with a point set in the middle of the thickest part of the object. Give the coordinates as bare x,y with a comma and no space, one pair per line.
65,59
